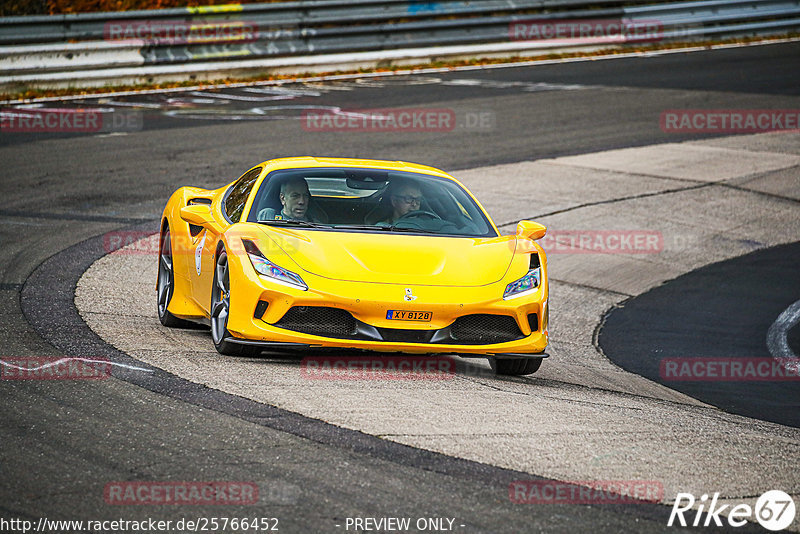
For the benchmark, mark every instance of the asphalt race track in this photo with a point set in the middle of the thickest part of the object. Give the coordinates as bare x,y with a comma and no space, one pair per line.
577,146
676,319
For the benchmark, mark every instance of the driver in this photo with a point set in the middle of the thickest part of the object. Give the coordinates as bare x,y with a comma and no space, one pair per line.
405,198
294,199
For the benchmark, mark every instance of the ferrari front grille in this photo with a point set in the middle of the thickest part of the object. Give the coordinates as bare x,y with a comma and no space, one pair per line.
477,329
400,335
482,328
319,321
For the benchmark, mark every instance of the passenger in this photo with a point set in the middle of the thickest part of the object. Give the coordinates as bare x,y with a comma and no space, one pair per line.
405,198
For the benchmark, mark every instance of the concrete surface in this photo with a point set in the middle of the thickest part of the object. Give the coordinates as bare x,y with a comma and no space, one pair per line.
580,416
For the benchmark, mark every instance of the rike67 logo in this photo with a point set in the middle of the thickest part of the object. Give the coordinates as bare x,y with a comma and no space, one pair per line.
774,510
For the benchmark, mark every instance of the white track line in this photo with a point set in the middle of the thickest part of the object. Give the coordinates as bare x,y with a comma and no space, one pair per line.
61,360
777,341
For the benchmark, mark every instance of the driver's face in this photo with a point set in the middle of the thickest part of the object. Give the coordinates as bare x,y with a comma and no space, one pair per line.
295,200
407,198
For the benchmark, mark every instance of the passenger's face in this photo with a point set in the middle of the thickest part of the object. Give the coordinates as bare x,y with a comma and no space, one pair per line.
408,198
295,201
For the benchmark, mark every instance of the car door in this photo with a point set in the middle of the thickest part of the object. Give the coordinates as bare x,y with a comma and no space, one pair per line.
232,208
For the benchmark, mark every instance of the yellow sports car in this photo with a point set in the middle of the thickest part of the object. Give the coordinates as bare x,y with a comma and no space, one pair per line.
363,254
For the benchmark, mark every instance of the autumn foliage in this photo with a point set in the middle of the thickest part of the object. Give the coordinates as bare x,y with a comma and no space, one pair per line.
57,7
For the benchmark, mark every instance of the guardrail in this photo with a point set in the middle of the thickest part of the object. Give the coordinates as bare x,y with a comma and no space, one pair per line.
101,48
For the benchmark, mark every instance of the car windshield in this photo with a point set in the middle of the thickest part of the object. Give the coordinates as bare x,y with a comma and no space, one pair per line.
368,200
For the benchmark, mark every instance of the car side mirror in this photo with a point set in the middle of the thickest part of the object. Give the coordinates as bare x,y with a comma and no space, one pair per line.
531,230
200,215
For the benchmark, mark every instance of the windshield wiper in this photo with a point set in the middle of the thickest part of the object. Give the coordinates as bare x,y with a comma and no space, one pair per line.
383,228
394,228
361,227
309,224
294,222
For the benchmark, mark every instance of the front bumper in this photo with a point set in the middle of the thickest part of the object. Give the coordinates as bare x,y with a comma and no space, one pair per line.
266,313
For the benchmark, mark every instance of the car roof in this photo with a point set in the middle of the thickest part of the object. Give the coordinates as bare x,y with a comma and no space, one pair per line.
311,161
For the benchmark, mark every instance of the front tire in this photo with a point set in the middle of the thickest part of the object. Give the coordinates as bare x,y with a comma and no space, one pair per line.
515,366
220,306
165,286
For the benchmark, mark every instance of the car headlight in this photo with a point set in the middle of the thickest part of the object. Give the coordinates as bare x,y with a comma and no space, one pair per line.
524,285
266,268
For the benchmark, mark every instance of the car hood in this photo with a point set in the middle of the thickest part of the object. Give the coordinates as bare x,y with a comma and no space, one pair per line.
396,258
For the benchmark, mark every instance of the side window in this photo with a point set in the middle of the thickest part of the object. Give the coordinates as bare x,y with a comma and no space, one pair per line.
237,197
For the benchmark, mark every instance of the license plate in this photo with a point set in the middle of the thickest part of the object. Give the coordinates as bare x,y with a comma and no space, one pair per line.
403,315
